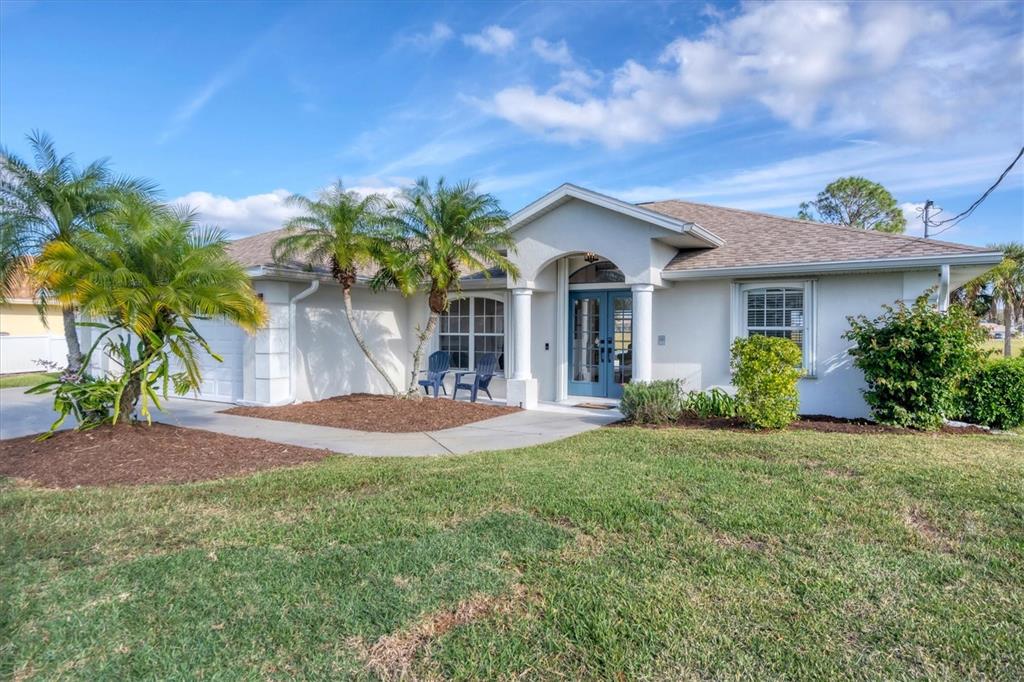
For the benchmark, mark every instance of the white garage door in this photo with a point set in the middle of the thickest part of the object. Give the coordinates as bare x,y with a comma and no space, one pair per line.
222,381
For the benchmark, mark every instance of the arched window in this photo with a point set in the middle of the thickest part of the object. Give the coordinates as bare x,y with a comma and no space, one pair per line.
601,272
471,327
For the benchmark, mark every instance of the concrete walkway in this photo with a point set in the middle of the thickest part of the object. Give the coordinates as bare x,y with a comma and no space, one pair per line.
22,415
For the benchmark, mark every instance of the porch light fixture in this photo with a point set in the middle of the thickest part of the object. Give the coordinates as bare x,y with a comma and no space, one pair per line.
591,257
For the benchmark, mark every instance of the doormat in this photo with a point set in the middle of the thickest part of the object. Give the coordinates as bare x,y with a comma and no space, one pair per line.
595,406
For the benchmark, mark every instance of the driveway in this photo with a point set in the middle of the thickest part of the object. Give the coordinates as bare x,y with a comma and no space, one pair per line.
22,415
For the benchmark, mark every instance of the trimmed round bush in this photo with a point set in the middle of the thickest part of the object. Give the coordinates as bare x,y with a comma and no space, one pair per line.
766,370
994,394
651,402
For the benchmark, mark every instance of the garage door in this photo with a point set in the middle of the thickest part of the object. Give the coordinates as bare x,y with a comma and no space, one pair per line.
222,381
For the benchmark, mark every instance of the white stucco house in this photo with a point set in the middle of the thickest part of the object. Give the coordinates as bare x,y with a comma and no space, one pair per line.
609,292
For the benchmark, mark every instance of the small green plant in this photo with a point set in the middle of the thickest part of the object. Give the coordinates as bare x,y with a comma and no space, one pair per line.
144,377
766,370
914,359
707,404
994,394
89,399
651,402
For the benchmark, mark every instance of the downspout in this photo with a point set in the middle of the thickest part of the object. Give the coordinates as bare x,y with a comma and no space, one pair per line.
308,291
943,293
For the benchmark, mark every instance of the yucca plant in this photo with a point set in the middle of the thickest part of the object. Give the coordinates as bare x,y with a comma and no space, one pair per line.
151,272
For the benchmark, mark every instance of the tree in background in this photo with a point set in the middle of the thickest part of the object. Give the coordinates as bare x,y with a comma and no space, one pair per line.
856,202
442,232
150,272
1002,286
55,201
345,232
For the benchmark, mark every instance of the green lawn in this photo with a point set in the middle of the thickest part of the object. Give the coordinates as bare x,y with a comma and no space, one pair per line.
619,554
996,345
28,379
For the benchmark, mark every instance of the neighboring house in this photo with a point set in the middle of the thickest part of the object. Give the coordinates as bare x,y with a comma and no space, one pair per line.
25,340
609,292
19,316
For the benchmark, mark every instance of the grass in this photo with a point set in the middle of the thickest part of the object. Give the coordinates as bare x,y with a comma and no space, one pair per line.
27,380
996,345
622,553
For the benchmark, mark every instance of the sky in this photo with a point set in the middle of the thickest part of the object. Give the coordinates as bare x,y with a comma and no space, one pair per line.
231,107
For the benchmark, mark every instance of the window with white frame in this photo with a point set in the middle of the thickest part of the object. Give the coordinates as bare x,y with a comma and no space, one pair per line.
782,310
471,327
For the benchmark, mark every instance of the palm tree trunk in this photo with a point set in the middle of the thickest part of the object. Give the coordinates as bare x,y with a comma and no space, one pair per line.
129,399
358,335
1008,328
417,356
71,336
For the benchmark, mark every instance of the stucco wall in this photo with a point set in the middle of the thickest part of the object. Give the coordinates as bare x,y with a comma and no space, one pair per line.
543,331
695,319
329,361
22,319
577,227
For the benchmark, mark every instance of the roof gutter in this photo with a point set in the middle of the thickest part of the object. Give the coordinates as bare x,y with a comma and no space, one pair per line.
911,262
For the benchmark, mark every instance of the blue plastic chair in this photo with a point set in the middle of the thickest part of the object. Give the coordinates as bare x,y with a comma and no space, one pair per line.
486,368
437,367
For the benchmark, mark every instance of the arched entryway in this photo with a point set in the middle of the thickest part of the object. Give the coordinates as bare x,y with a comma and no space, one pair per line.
600,333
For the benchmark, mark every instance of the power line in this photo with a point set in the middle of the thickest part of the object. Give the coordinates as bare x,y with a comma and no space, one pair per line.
960,217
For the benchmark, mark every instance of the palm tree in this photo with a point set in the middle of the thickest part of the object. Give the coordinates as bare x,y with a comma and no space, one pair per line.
12,259
1007,284
344,231
443,232
56,200
152,271
1002,286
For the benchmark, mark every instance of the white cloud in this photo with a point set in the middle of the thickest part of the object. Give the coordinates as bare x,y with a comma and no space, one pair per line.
244,216
554,53
908,172
902,70
493,39
439,34
262,212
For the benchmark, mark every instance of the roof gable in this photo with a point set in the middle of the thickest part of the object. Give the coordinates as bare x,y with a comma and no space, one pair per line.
568,192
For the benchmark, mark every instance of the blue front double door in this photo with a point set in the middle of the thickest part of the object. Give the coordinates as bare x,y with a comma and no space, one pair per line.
600,342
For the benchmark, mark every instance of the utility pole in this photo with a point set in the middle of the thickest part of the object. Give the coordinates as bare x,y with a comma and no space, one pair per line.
927,205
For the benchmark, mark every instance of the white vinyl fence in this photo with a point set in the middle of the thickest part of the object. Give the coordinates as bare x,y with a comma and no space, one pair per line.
20,353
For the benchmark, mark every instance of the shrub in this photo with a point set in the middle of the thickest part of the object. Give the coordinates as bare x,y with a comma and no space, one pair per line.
713,403
765,371
653,402
994,394
91,400
914,359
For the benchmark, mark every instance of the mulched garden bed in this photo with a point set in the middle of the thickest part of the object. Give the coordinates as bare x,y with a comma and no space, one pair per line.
812,422
366,412
134,455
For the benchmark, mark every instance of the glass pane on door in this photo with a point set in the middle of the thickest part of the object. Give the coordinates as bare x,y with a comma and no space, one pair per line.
622,339
586,340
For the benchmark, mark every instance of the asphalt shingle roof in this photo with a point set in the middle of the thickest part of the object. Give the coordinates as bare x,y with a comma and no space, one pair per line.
753,239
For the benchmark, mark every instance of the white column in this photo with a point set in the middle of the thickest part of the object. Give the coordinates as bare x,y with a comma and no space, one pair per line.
643,336
521,299
521,390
